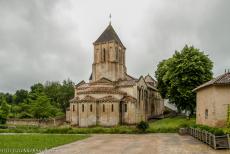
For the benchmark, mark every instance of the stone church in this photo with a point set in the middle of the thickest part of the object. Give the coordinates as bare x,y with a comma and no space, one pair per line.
111,96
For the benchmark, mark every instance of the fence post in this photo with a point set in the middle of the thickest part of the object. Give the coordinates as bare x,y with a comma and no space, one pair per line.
228,136
214,142
206,137
209,135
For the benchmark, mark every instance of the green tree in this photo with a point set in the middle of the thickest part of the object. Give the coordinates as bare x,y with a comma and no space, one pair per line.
162,68
66,93
53,91
20,96
4,111
179,75
60,94
41,108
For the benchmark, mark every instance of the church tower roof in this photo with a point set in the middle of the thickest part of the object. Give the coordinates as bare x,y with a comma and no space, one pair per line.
109,34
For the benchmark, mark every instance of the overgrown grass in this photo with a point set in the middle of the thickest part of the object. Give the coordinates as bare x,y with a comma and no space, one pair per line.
168,125
34,143
213,130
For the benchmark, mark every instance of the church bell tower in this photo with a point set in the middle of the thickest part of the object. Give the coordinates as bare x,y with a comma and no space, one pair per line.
109,56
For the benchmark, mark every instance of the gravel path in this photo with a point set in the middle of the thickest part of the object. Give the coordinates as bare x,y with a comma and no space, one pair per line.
136,144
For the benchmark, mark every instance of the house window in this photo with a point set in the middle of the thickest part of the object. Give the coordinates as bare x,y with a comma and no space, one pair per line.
91,107
82,107
103,107
125,107
112,108
73,108
206,114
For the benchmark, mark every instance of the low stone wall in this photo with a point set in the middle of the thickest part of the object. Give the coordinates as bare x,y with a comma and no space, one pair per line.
38,122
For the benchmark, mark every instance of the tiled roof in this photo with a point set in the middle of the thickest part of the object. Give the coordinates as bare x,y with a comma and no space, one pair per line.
129,77
94,90
86,99
148,78
223,79
126,83
129,98
109,98
108,35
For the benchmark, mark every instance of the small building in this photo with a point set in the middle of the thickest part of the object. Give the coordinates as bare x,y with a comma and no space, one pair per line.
111,96
212,100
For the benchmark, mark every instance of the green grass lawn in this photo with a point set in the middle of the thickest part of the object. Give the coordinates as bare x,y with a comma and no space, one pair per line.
33,143
170,125
167,125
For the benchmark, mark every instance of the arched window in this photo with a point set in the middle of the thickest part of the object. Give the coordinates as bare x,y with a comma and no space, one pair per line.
91,108
103,107
73,108
103,55
125,107
116,54
142,93
112,108
82,107
119,51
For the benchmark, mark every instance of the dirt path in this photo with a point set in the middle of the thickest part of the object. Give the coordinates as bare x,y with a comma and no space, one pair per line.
136,144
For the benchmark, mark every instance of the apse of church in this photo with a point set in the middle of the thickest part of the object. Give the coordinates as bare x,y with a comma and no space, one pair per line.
111,96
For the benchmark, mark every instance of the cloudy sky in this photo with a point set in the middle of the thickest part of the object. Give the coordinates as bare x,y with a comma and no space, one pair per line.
44,40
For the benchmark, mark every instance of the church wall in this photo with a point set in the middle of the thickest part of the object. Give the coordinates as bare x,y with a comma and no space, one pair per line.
129,116
74,113
129,90
141,114
106,116
67,115
87,117
108,61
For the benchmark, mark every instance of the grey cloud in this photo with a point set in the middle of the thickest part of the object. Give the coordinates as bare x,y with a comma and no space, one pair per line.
52,39
204,24
34,46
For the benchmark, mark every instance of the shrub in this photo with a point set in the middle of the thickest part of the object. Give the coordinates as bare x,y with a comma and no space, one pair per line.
143,126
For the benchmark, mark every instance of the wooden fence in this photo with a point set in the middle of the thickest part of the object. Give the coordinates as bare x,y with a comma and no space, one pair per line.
216,142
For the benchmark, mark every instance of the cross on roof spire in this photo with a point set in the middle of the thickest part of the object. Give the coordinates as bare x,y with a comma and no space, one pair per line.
110,16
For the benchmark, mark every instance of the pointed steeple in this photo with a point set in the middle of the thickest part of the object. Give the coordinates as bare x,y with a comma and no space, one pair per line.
109,34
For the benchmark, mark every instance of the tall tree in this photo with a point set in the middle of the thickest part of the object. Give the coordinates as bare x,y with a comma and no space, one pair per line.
179,75
4,111
66,93
53,90
20,96
42,108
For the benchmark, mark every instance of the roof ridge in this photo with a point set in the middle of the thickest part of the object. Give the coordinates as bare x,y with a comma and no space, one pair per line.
219,80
